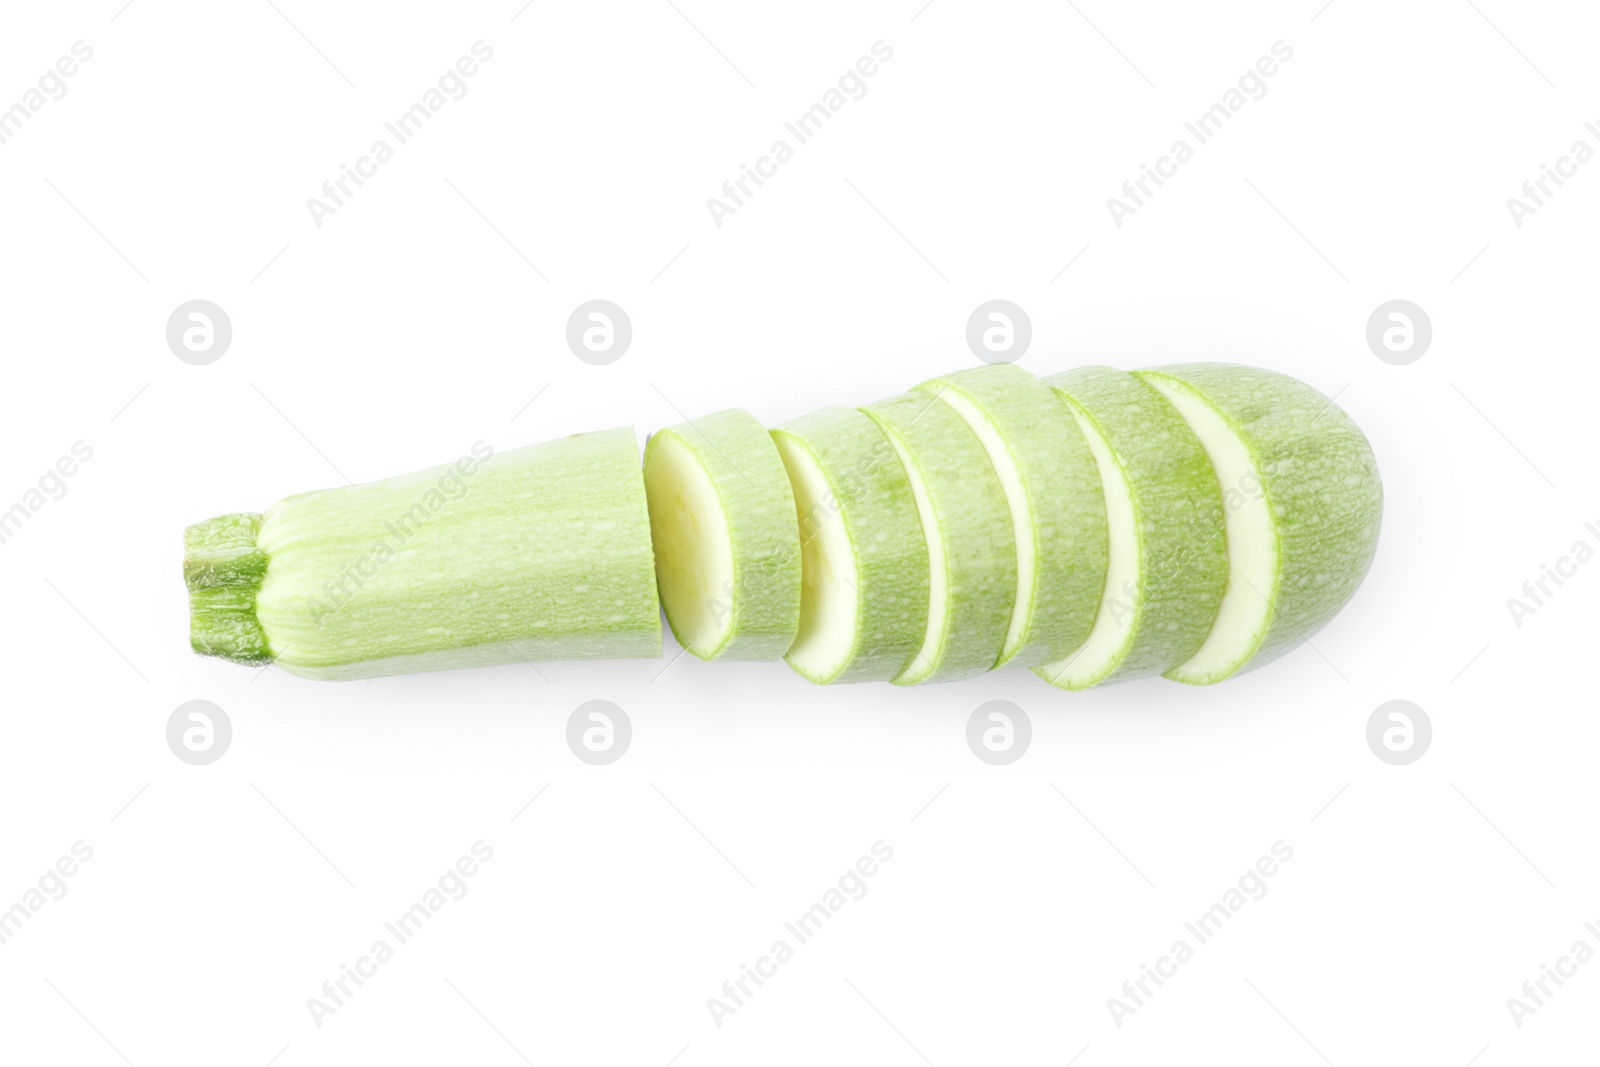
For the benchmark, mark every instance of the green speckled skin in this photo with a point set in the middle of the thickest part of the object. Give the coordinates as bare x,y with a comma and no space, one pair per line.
974,525
535,553
1062,484
1321,480
873,499
1183,568
743,464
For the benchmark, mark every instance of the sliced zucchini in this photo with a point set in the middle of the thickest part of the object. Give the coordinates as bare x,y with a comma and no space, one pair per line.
1168,564
726,544
864,592
972,553
1052,488
1303,504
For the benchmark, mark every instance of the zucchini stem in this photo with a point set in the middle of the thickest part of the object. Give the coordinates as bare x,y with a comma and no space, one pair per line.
223,568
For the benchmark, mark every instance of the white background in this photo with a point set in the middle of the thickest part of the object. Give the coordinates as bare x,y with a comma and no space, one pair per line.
978,164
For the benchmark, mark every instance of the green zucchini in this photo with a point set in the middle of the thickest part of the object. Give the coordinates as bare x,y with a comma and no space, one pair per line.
1303,504
726,543
1168,557
864,598
532,554
972,554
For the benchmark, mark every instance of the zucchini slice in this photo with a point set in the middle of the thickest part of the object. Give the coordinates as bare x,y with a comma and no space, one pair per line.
1303,504
1168,558
864,564
972,553
1058,513
726,544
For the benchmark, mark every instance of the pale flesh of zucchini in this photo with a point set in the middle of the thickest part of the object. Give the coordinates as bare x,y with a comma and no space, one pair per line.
726,544
825,641
1164,511
1246,608
1052,487
1304,502
966,523
1094,660
864,600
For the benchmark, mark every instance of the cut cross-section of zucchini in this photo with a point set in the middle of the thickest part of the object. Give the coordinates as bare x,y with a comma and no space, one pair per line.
864,596
726,545
1168,565
1058,514
1302,500
972,554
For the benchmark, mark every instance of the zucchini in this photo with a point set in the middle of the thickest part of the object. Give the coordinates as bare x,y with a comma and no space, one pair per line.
726,543
1052,488
536,553
1168,557
1303,507
1094,526
972,555
864,594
